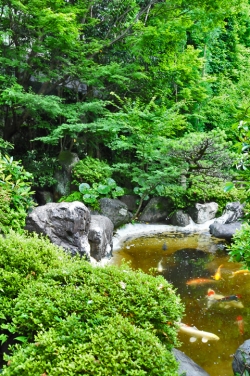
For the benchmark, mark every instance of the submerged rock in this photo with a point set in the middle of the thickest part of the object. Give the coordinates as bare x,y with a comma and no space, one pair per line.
241,360
187,366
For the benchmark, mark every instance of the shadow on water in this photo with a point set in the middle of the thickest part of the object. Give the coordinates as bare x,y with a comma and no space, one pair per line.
180,258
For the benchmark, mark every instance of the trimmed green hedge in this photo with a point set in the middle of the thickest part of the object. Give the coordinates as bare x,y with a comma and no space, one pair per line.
72,318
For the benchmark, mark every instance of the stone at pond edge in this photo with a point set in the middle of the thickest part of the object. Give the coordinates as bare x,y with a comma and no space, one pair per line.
241,360
187,366
66,224
100,237
201,213
115,210
157,210
224,231
180,218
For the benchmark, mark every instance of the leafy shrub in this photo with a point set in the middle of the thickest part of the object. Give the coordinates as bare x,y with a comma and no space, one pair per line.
74,196
42,167
239,248
110,346
91,195
15,194
44,293
202,193
90,170
23,258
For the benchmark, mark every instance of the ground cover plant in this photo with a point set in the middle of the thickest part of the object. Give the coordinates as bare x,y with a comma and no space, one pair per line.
65,316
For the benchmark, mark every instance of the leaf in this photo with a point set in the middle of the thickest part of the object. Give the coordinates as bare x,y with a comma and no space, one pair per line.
228,187
103,189
21,339
84,188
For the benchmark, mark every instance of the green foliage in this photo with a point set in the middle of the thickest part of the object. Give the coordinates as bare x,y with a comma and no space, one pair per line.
42,168
74,196
15,193
23,258
90,170
72,317
110,346
239,248
91,195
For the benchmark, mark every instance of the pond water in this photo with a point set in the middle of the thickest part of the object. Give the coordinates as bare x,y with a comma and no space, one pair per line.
181,257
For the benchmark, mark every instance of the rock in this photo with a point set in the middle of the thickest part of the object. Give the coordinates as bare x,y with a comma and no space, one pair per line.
67,160
241,360
233,212
202,213
224,231
66,224
157,210
187,366
100,237
180,218
115,210
130,201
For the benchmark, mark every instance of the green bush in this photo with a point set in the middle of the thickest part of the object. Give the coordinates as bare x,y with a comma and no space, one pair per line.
42,167
90,170
44,293
240,246
110,346
15,194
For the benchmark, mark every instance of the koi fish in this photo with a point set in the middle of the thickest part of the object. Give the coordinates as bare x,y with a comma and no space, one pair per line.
199,281
196,333
164,247
223,301
239,321
160,266
241,271
217,275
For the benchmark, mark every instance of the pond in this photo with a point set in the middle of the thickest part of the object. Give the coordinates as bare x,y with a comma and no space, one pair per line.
180,257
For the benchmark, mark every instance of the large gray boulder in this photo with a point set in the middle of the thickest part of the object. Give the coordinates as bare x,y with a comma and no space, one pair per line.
187,366
224,231
180,218
100,237
66,224
201,213
157,210
241,360
115,210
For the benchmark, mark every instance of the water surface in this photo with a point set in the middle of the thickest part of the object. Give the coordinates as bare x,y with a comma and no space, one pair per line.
180,257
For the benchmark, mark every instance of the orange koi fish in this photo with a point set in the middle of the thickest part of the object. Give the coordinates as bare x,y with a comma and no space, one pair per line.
239,321
217,275
199,281
241,271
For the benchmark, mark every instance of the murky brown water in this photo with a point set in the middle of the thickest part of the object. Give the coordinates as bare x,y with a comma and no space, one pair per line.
190,256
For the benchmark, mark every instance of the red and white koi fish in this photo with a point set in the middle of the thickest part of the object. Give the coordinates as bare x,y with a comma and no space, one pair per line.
239,321
223,301
195,333
217,275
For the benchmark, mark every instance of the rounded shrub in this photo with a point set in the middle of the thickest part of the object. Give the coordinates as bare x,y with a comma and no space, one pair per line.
111,346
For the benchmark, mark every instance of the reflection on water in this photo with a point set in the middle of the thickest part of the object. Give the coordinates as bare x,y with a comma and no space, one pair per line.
180,258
